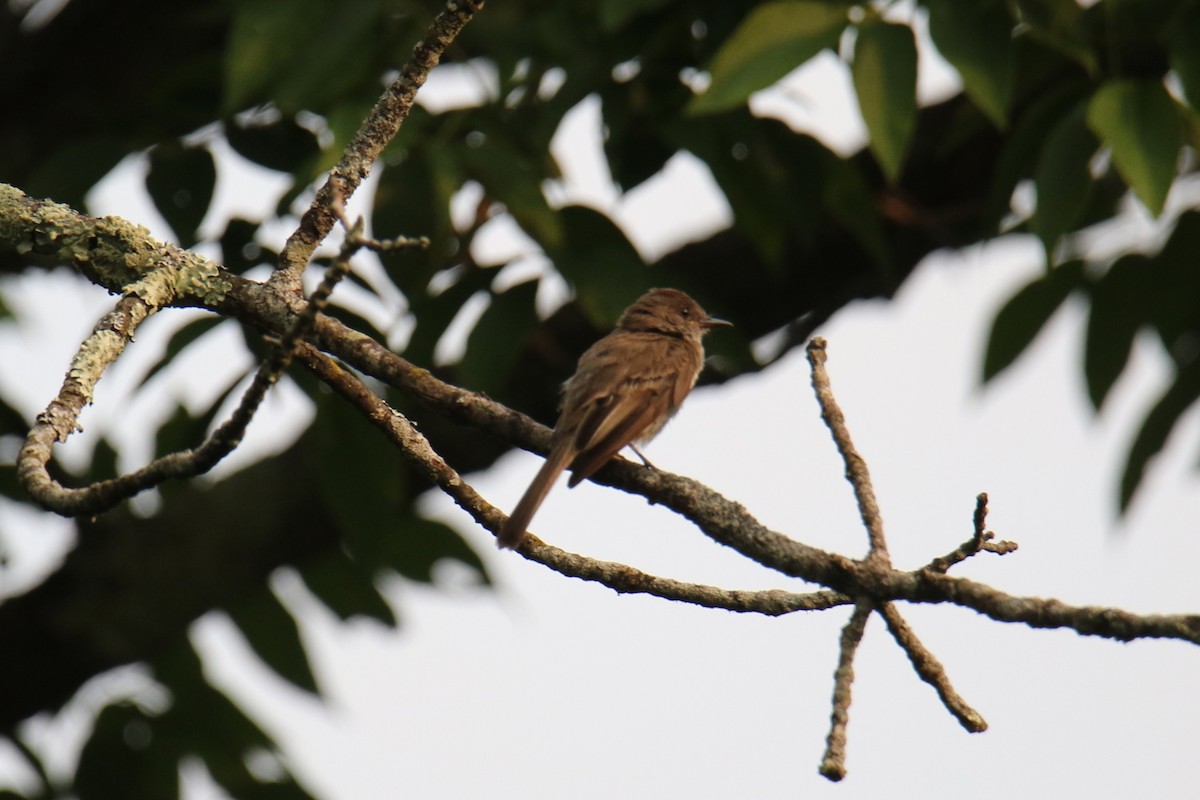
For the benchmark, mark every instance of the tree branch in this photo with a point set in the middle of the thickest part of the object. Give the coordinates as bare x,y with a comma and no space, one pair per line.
620,578
723,520
379,128
99,351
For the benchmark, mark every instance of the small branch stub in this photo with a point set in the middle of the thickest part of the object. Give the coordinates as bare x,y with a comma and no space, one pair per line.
982,540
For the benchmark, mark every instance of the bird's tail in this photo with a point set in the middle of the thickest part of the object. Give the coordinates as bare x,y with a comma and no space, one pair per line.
513,530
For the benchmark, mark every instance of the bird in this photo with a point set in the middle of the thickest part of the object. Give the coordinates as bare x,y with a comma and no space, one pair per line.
626,386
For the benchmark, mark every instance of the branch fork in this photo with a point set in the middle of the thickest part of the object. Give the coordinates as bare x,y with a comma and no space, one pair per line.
928,668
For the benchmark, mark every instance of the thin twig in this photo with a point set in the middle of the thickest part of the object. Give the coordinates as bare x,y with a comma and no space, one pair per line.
980,541
833,764
381,126
931,671
856,467
624,579
354,232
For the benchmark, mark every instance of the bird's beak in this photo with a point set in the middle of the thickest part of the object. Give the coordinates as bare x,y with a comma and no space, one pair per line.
713,322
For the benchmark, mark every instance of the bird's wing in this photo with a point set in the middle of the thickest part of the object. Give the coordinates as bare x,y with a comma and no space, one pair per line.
612,423
616,401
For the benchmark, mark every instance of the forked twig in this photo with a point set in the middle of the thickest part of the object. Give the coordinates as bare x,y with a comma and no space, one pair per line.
927,667
981,541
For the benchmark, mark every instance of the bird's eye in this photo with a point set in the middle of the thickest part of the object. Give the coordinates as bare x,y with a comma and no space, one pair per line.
687,312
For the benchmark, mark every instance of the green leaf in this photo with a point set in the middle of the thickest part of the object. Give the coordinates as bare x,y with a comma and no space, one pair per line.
261,35
126,757
412,198
426,542
272,632
1019,321
363,483
183,430
508,176
347,589
1139,121
849,200
885,79
771,41
977,39
1023,146
495,342
635,147
1063,178
1157,428
181,182
1119,300
238,782
201,715
434,313
614,14
601,264
1174,275
361,477
239,251
104,461
280,144
1184,52
205,722
70,172
773,178
269,53
12,421
1062,25
639,114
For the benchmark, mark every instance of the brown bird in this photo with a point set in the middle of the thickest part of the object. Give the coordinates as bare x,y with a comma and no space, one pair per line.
625,388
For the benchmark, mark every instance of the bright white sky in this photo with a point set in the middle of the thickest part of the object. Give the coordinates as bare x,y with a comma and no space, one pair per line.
551,688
